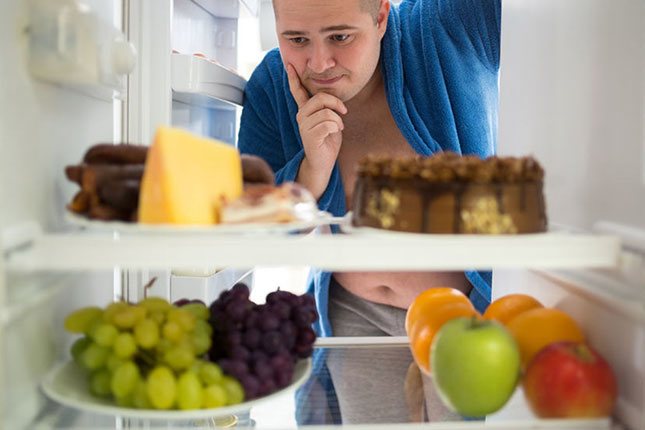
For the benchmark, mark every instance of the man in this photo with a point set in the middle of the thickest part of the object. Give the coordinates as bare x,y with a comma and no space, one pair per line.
353,77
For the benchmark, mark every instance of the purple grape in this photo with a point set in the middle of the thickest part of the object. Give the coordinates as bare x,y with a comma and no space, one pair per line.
289,333
282,379
251,338
237,369
282,362
302,318
267,386
272,342
251,386
307,300
258,355
303,350
252,318
306,336
280,296
237,310
198,301
181,302
281,309
268,321
240,292
239,353
232,339
263,370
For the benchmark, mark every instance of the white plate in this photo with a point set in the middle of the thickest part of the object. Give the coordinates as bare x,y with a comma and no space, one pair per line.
67,384
322,218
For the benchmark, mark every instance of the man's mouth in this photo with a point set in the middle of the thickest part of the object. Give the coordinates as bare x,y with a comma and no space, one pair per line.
326,81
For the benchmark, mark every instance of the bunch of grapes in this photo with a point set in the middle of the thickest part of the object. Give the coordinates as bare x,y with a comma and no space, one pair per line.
259,344
151,355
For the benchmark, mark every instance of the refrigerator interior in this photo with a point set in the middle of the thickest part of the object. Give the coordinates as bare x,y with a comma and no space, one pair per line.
572,92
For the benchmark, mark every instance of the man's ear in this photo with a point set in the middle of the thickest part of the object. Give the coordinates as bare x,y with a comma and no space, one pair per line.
381,17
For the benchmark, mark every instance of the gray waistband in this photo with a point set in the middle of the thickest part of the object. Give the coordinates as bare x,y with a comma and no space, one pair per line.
351,315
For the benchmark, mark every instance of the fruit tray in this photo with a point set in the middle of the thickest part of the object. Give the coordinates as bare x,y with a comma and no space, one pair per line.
67,384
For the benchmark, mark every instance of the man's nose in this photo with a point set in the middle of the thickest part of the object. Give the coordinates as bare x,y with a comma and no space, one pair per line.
321,59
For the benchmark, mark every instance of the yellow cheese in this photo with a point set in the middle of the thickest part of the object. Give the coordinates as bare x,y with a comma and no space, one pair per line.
186,178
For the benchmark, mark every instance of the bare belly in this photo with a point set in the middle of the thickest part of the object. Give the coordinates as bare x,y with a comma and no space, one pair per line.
398,288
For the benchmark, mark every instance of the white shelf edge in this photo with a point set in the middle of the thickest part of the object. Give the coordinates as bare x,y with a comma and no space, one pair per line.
361,341
336,253
198,81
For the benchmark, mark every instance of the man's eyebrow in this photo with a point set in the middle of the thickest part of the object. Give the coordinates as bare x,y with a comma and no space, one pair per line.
341,27
338,28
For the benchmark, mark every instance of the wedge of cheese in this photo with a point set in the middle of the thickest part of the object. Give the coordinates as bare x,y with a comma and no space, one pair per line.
186,179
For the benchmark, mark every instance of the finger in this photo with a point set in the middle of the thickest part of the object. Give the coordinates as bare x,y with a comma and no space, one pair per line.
324,129
323,101
325,115
297,91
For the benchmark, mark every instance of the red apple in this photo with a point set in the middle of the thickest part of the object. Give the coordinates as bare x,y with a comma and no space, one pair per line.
569,379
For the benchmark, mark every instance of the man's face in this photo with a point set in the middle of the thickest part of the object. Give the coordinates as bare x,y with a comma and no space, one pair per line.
333,44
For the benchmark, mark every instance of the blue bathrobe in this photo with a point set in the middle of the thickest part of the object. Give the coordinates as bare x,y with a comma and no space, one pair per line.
440,62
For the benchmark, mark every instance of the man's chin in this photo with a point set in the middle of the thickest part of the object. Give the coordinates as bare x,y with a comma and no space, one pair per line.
331,91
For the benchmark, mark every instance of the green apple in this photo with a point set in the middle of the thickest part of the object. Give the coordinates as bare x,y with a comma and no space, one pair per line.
475,365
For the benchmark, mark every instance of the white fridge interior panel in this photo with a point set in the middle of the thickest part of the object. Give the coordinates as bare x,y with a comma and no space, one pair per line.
572,93
194,30
617,334
42,128
32,339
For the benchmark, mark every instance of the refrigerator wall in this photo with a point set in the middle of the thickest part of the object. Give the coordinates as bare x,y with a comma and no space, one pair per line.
572,94
43,126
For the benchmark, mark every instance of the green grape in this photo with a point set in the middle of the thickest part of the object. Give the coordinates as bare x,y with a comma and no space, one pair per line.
78,347
158,317
202,326
210,373
199,310
185,319
124,345
100,383
155,304
94,356
113,362
161,388
112,309
140,396
125,379
163,346
179,357
104,333
81,320
234,391
214,396
172,331
126,401
201,343
189,391
146,333
128,317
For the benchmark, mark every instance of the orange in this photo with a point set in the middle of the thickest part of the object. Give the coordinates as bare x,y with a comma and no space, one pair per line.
509,306
539,327
429,300
428,324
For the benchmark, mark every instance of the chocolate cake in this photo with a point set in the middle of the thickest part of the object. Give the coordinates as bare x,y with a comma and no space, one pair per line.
450,194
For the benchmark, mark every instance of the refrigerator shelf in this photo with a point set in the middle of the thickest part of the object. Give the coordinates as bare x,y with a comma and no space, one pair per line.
93,251
228,8
198,81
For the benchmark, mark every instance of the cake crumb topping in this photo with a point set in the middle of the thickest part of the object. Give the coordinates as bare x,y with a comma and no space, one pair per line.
452,167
